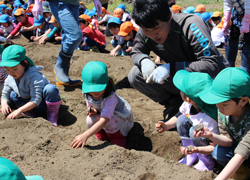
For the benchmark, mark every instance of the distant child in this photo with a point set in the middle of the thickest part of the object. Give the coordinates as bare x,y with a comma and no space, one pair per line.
128,32
7,25
25,25
200,8
193,112
216,17
94,22
27,87
206,16
189,10
82,8
176,9
126,15
230,92
105,16
91,37
110,117
118,12
3,72
4,9
42,28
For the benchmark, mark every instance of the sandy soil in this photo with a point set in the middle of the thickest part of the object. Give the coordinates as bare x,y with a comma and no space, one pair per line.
37,147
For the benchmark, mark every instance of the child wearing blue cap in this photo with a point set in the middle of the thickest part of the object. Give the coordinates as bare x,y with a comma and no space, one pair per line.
192,112
94,22
7,25
27,87
42,28
109,116
230,91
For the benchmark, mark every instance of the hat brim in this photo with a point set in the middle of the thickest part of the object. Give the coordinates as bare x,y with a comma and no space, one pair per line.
46,10
37,24
35,177
122,33
210,98
178,79
3,21
93,88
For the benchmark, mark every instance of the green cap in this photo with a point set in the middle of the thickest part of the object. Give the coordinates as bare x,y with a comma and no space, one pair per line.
9,171
94,77
13,55
193,84
230,83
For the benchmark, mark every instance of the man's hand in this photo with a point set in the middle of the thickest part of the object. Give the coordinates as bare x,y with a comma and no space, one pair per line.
227,17
37,9
147,67
159,74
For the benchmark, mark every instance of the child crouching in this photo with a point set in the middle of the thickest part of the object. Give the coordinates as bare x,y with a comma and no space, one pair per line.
110,116
27,87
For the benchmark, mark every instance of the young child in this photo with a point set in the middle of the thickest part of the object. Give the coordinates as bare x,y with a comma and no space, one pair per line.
206,16
4,9
126,15
216,17
94,22
176,9
7,25
118,12
110,116
230,91
27,87
92,37
105,16
82,8
42,28
25,24
128,32
3,72
192,112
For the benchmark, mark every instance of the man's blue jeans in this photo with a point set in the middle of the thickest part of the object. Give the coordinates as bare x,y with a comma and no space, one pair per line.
67,16
185,129
245,58
50,94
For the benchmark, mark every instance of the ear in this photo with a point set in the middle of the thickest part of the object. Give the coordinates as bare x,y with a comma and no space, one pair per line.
244,101
188,100
26,61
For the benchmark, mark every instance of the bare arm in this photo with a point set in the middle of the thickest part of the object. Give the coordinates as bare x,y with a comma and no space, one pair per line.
28,106
161,126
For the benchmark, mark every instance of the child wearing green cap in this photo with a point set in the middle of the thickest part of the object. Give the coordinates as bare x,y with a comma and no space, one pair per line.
110,117
27,87
193,111
230,92
3,72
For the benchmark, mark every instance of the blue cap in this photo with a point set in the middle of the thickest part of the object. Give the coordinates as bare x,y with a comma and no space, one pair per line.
206,16
122,6
4,18
39,21
94,9
198,14
190,9
45,5
25,6
91,13
114,20
4,6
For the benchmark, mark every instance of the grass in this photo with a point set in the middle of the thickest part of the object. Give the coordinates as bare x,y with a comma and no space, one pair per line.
168,157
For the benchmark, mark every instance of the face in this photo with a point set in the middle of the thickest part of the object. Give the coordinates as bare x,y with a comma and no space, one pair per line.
21,19
4,11
55,24
103,14
4,24
47,14
229,108
114,31
16,72
82,26
97,95
129,36
160,32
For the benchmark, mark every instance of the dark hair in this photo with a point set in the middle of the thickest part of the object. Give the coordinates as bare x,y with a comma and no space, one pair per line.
82,21
109,89
113,25
147,12
216,18
26,64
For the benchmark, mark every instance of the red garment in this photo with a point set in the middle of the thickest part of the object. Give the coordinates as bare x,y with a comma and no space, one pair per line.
94,34
29,22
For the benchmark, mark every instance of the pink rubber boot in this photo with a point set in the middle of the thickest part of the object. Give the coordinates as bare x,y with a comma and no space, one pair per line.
206,163
52,111
190,158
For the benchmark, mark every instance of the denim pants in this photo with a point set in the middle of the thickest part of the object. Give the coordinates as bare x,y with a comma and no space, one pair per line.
185,129
67,16
50,94
90,43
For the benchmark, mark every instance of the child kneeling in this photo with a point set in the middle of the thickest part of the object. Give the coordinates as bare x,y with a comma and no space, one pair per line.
27,87
110,116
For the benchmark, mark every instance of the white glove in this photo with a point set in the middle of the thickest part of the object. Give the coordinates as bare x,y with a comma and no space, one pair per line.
159,74
147,67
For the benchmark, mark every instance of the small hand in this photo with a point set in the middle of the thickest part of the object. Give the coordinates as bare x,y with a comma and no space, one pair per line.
204,132
186,152
14,114
5,109
92,112
79,140
24,28
129,49
161,127
112,52
9,41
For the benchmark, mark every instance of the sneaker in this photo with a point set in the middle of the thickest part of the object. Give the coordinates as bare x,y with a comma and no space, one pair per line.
94,49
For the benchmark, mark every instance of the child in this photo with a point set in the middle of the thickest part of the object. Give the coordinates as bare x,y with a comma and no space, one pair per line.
193,111
126,15
230,92
206,16
200,8
105,18
25,24
189,10
94,21
27,87
42,28
216,17
176,9
4,9
82,8
110,116
92,37
128,32
3,72
7,25
118,12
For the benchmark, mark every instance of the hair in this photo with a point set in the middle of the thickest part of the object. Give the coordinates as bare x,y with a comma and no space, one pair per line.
19,15
26,64
216,18
83,21
113,25
146,13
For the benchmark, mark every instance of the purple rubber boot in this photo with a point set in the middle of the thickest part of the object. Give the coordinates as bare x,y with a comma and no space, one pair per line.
190,158
206,163
52,111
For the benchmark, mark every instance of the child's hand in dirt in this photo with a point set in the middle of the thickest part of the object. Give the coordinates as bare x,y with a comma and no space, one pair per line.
5,109
14,114
79,140
185,150
92,112
161,127
204,132
129,49
113,52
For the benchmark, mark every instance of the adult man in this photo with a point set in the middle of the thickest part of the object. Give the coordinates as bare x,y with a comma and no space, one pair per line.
66,13
183,41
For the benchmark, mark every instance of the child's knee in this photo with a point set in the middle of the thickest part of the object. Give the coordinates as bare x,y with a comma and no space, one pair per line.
90,121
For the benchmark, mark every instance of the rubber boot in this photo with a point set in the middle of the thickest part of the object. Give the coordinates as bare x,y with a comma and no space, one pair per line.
52,111
243,173
206,163
61,70
190,158
119,53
